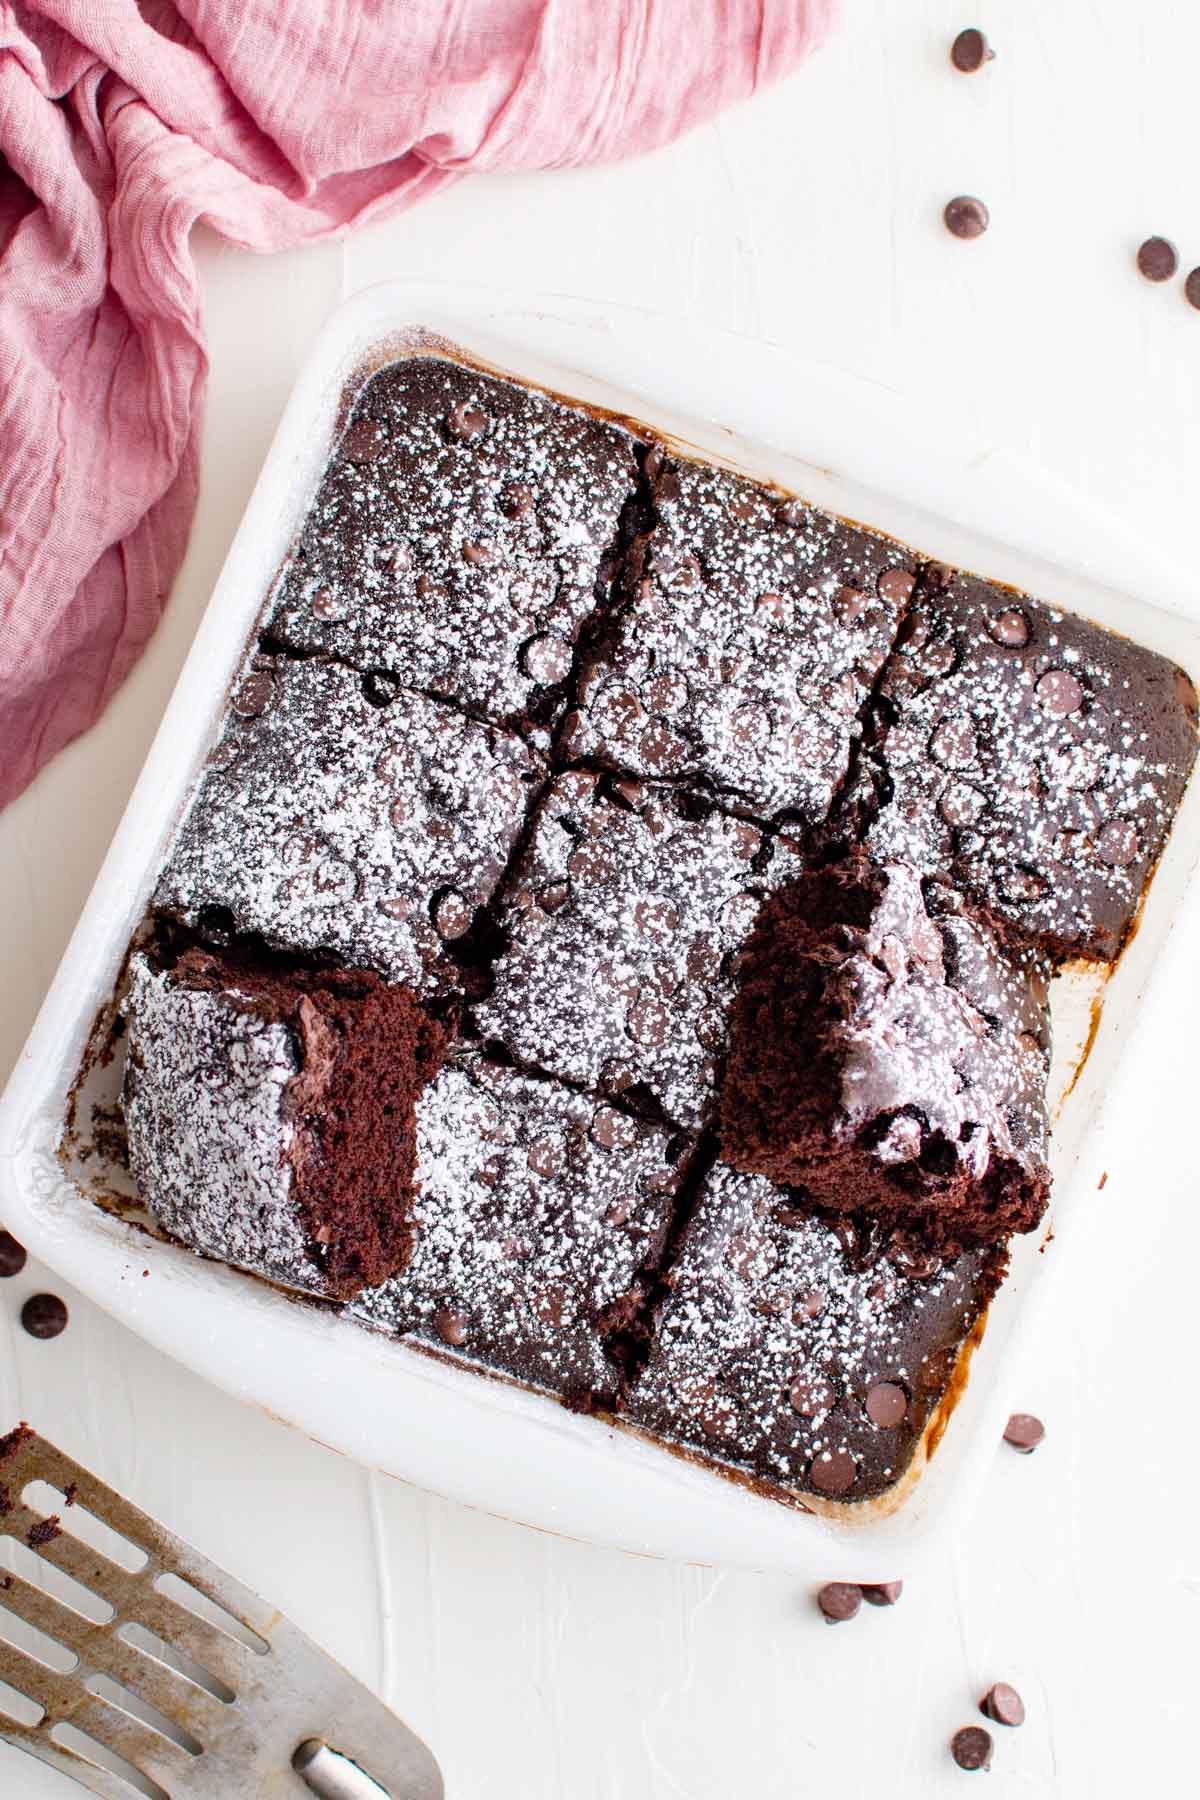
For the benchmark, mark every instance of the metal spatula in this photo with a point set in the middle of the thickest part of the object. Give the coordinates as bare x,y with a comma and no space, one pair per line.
157,1674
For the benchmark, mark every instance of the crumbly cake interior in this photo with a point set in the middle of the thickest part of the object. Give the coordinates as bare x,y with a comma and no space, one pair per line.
678,871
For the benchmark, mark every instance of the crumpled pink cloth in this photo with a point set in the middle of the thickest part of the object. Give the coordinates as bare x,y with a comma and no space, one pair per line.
123,122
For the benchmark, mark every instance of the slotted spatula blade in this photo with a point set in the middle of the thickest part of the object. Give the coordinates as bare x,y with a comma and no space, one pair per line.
163,1676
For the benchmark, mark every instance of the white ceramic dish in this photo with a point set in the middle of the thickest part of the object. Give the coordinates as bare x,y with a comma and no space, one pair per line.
851,447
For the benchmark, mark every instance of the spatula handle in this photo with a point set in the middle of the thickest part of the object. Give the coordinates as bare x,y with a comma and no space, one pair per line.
334,1777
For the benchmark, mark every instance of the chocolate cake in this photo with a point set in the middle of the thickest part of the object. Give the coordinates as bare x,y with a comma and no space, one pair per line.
750,633
462,533
1033,759
270,1114
346,816
781,1358
621,921
538,1211
891,1059
737,843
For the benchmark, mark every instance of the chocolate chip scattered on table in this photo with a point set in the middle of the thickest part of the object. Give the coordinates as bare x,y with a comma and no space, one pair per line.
882,1593
1157,259
839,1601
966,217
1003,1705
1024,1432
13,1256
971,1747
970,51
44,1316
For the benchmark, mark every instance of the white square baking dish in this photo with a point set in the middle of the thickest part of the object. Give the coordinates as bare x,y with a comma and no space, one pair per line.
842,444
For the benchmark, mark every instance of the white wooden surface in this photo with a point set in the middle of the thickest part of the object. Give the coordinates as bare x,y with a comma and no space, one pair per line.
546,1670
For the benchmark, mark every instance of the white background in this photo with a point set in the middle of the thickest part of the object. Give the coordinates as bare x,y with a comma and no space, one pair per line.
546,1670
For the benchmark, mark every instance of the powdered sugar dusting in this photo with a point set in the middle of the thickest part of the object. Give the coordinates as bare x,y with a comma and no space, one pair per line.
535,1208
623,917
210,1139
745,654
330,824
769,1343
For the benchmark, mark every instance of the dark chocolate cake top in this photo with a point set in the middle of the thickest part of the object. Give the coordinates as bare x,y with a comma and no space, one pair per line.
622,920
342,815
459,537
777,1356
742,656
1033,758
537,1208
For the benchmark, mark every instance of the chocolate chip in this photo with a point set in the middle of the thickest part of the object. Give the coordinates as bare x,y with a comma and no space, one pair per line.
545,1157
613,1130
554,896
962,804
395,559
450,1326
833,1472
666,694
953,743
839,1601
364,441
478,551
966,217
466,422
1157,259
970,50
516,500
255,694
1191,289
791,511
886,1404
648,1023
810,1395
547,658
810,1304
971,1747
1003,1705
426,588
719,1420
1021,887
655,917
911,1260
452,915
1117,844
913,633
550,1307
849,605
1009,627
882,1593
13,1256
896,585
1060,692
750,727
1024,1432
590,862
44,1316
771,606
328,606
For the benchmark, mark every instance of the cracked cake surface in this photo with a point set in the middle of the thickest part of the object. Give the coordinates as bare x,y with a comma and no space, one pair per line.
340,816
537,1210
461,534
1032,758
621,923
780,1355
739,659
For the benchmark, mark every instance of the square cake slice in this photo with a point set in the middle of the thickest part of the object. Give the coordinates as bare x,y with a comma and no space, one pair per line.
1032,757
345,816
461,534
742,654
538,1210
620,922
778,1359
269,1114
889,1057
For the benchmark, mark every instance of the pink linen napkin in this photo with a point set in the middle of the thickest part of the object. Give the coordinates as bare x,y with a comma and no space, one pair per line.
123,122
